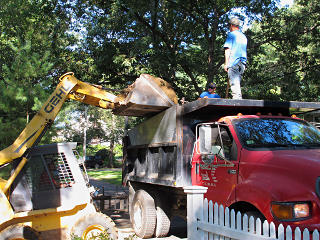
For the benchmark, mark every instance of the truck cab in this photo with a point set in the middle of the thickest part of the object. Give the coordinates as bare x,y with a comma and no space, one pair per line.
262,165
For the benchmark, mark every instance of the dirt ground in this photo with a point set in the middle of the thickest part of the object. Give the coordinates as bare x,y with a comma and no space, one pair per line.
178,229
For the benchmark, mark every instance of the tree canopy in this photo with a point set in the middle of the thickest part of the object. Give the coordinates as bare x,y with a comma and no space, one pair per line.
33,44
180,41
285,55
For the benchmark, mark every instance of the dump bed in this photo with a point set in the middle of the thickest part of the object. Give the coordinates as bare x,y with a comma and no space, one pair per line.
228,107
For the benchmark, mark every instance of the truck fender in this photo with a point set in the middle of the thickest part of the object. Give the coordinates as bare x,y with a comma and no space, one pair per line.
261,194
255,196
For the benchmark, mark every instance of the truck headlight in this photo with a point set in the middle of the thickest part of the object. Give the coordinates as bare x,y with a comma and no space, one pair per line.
290,211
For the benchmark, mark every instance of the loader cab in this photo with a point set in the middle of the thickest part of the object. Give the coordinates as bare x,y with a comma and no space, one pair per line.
52,178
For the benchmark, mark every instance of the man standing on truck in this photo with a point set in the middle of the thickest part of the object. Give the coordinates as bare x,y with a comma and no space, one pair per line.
210,93
235,57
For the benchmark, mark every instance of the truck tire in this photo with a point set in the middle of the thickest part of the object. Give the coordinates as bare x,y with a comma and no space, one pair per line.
94,224
19,232
163,220
130,198
255,215
143,214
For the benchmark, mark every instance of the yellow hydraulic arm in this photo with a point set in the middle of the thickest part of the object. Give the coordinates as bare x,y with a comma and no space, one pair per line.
147,95
68,88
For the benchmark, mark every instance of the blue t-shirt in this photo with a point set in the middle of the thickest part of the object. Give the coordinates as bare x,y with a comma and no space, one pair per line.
209,95
237,42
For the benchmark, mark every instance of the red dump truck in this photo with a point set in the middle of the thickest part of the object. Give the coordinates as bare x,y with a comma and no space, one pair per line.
252,155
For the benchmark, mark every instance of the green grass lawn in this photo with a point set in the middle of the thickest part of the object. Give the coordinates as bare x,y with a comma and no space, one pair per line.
110,176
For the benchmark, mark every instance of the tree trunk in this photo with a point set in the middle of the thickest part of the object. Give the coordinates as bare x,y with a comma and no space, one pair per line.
111,158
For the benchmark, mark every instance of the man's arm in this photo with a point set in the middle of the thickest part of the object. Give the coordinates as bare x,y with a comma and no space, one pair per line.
227,52
202,95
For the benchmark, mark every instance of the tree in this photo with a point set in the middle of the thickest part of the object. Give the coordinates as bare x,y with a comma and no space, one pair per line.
177,40
285,62
33,41
101,127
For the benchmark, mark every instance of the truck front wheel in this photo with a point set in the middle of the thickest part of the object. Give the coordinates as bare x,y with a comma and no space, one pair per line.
143,214
255,215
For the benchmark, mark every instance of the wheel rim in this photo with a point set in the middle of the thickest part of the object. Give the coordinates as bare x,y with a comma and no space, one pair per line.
137,216
92,231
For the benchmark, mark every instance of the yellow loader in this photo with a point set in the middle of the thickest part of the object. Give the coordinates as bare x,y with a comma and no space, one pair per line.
44,190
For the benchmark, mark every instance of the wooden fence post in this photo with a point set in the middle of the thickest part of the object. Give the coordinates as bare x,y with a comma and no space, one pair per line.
194,209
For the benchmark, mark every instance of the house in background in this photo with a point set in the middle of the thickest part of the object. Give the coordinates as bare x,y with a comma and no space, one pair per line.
313,117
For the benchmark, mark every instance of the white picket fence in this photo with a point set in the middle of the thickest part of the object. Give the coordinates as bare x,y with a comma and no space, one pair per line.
212,222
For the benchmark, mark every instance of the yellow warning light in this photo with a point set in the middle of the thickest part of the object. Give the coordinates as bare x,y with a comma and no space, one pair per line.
239,114
293,116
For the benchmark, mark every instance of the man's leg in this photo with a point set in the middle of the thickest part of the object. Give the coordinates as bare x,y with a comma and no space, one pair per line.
235,74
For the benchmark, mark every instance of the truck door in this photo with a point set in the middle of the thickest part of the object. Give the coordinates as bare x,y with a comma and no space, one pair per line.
215,163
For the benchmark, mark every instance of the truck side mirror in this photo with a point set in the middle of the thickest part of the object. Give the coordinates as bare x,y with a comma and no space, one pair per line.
205,139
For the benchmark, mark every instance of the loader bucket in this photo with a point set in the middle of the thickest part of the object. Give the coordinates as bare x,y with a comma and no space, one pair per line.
147,95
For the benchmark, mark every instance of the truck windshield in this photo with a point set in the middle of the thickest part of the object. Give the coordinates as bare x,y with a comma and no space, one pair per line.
277,133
